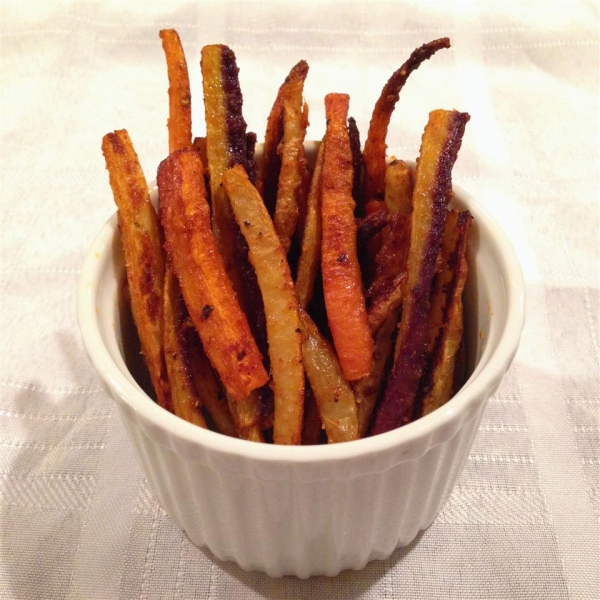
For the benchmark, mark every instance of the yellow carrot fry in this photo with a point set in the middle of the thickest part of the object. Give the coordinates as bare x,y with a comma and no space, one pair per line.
281,307
310,256
334,396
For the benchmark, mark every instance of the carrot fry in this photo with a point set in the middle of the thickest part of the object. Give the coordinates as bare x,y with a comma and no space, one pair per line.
143,254
246,416
368,388
387,303
371,225
390,261
180,98
226,144
342,282
290,188
433,186
208,385
356,167
398,188
206,288
271,163
447,291
375,146
334,396
267,256
185,399
311,426
310,254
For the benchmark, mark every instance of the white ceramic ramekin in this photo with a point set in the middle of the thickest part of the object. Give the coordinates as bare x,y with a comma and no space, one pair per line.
312,510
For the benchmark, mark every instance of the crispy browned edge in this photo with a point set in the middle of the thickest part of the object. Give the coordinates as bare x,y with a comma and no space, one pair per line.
390,260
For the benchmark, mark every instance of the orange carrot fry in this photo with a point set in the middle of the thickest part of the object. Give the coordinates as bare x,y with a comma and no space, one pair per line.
310,253
267,256
433,186
207,290
180,98
375,146
143,254
186,402
342,283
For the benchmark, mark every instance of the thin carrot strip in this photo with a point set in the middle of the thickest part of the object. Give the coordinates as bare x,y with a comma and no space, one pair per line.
271,162
310,253
180,98
342,283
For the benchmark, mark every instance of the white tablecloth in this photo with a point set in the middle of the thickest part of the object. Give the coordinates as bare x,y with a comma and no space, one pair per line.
77,519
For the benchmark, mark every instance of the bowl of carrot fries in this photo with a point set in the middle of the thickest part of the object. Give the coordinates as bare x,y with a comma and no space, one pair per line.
300,336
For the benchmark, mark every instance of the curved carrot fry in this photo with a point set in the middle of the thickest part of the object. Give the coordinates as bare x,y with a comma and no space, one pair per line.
375,146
